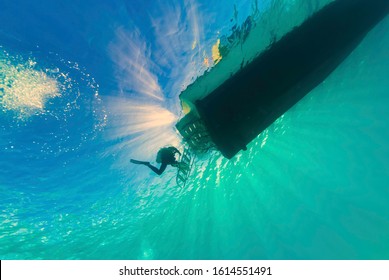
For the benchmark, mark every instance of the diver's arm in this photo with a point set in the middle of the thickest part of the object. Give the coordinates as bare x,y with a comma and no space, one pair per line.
175,150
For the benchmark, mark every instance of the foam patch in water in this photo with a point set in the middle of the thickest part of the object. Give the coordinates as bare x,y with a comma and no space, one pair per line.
24,89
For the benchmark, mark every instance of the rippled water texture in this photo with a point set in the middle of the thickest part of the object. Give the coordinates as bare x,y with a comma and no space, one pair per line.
93,85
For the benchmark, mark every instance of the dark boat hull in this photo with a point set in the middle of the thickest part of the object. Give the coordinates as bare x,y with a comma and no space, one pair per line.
247,103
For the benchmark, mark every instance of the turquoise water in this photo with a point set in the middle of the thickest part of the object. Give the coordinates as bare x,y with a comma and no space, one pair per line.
314,185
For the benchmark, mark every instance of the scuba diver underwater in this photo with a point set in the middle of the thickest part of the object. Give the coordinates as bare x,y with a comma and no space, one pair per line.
171,156
165,156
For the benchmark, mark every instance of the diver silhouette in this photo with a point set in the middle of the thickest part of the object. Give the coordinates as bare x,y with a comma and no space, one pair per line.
165,156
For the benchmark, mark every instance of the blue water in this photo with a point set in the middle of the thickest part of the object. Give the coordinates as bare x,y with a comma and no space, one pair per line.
86,86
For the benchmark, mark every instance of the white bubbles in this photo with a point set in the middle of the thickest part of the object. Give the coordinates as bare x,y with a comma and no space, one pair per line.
48,105
24,89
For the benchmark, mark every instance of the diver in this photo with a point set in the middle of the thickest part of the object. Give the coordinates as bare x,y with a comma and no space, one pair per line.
165,156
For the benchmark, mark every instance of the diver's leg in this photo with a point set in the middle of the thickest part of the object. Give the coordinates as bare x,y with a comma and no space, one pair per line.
139,162
156,170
